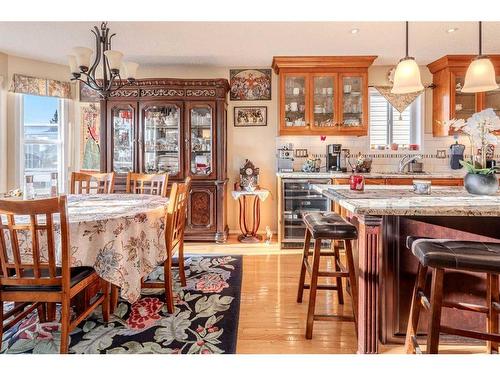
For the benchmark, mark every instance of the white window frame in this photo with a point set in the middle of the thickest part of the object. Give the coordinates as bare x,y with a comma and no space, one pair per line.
417,113
61,142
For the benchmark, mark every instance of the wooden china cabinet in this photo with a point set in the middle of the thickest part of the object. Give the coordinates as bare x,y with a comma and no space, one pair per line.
174,126
448,101
326,95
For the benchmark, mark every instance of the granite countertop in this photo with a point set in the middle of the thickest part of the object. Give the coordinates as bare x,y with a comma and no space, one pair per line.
381,200
429,175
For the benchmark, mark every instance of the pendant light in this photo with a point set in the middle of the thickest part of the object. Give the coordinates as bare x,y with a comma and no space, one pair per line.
407,74
480,74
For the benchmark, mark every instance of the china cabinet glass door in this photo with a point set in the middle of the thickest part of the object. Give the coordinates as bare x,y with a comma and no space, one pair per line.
492,99
201,153
352,87
324,113
295,102
123,120
465,103
161,138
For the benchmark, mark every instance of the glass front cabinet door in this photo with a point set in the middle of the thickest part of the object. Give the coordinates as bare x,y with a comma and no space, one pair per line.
161,138
323,97
465,104
294,103
353,106
123,137
492,99
200,140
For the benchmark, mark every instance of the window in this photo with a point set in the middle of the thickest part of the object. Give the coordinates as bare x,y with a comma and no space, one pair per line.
388,126
42,140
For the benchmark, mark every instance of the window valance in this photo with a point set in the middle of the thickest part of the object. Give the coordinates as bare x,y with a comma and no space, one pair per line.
399,101
40,86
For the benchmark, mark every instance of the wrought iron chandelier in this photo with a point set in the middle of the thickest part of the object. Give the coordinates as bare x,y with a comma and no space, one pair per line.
114,74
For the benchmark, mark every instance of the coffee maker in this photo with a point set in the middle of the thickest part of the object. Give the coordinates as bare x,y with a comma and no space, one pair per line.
333,156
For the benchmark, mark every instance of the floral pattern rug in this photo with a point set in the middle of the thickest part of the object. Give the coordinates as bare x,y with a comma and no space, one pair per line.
205,320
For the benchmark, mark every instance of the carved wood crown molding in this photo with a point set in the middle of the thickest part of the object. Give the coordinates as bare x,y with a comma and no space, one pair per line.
308,62
166,87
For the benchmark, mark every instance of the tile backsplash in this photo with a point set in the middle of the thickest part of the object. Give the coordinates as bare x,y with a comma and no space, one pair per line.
435,151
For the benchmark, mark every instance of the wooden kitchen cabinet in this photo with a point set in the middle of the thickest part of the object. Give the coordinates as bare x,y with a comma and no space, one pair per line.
323,95
448,102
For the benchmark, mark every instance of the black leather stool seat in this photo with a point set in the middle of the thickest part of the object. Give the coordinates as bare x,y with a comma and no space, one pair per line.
329,225
462,255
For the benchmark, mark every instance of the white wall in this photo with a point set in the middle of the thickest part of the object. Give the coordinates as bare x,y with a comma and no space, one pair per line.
3,122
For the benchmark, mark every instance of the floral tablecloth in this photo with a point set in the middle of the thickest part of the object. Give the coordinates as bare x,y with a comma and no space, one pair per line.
119,235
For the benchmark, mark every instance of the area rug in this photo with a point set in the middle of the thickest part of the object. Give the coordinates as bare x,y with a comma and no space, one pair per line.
205,320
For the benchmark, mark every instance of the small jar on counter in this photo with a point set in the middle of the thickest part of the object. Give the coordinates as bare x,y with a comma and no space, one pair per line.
357,182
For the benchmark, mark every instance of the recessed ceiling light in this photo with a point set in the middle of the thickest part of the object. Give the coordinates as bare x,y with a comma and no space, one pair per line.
452,30
354,31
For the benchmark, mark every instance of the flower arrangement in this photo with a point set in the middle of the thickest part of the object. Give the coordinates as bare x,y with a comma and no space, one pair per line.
479,128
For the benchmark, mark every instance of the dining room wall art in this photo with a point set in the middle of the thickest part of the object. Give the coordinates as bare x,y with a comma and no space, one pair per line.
90,152
250,116
250,84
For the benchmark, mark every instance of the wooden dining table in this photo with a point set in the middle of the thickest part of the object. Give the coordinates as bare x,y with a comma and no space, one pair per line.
120,235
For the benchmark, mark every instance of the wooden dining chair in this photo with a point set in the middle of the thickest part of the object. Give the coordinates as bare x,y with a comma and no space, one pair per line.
175,220
142,183
33,275
92,183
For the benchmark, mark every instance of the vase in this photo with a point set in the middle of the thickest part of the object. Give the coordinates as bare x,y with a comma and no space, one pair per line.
481,184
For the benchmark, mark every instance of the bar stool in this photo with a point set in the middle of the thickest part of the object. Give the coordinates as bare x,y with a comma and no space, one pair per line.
327,226
440,255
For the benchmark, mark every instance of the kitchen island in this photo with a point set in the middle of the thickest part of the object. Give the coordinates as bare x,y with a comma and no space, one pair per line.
385,216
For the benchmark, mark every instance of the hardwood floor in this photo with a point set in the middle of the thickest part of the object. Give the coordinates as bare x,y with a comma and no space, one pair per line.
272,322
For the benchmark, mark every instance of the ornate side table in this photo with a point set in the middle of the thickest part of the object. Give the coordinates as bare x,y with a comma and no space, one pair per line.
258,196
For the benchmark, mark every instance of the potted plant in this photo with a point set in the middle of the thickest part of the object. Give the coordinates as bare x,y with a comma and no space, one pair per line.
479,128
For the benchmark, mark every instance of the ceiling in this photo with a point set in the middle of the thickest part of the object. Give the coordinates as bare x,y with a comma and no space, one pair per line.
248,43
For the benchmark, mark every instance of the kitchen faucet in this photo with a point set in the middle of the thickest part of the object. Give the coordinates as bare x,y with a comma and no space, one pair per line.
407,159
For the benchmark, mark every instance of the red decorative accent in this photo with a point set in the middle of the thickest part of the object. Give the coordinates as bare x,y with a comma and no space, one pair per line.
357,182
322,137
144,313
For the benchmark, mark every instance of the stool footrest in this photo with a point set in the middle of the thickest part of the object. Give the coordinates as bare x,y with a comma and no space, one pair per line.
337,318
466,306
496,306
322,287
333,274
472,334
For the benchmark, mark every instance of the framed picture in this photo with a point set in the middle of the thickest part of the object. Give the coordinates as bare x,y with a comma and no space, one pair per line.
250,84
250,116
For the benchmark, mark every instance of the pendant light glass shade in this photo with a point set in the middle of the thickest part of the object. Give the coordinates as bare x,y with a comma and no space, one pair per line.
480,76
73,65
114,59
407,77
82,55
129,70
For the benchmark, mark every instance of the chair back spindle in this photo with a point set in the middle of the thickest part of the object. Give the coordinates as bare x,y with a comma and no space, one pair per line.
142,183
92,183
24,258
